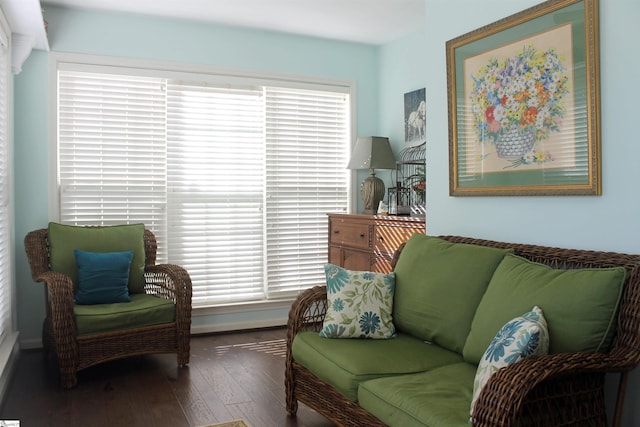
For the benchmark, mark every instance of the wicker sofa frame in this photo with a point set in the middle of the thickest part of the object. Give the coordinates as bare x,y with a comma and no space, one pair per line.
73,352
564,389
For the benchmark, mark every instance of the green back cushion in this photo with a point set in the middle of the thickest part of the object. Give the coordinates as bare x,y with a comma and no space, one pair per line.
63,239
579,305
439,285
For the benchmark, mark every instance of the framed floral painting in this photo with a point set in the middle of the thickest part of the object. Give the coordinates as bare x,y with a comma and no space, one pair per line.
524,104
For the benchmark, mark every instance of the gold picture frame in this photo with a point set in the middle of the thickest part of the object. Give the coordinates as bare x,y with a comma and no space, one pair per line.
524,104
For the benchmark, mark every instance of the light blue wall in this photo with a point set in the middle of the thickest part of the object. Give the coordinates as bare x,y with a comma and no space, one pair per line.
382,75
605,222
134,36
608,222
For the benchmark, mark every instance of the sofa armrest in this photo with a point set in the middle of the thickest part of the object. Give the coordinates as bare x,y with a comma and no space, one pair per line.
532,387
307,312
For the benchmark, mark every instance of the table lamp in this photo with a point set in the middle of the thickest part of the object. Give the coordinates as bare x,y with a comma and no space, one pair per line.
372,152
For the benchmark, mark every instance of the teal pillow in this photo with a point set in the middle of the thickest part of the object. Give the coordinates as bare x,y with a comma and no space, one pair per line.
580,305
359,304
63,239
102,277
439,285
522,337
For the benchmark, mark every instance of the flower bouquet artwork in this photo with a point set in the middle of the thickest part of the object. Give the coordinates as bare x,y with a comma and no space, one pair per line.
519,99
524,104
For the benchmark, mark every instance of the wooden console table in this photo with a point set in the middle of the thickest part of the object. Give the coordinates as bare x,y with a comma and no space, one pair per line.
367,242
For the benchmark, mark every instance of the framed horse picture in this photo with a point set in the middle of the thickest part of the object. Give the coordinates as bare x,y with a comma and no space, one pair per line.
415,109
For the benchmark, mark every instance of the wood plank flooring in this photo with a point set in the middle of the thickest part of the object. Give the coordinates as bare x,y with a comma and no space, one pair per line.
230,376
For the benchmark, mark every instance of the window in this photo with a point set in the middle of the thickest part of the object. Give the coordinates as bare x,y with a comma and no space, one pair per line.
233,175
6,261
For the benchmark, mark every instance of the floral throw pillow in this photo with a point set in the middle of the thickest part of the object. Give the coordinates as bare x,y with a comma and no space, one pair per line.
522,337
359,304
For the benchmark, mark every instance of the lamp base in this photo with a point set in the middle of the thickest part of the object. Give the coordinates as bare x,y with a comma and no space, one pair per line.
372,192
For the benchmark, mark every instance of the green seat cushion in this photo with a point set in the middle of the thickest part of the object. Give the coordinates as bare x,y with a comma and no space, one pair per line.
439,285
579,305
142,310
437,398
63,239
344,363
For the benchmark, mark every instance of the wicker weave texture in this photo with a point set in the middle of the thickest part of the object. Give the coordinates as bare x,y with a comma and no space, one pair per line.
556,390
73,352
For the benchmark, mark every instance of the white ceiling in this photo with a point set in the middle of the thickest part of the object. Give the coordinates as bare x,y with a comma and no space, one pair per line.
365,21
25,19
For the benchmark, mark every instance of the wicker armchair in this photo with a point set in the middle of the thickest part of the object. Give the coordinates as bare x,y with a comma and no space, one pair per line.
565,389
74,352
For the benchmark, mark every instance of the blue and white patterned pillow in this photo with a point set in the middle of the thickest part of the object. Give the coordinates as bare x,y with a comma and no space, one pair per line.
520,338
359,304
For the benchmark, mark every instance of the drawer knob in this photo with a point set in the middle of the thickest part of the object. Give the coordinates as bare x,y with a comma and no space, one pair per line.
362,235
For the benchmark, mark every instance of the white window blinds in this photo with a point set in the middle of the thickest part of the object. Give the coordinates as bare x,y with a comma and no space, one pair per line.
239,182
111,150
5,193
215,153
306,149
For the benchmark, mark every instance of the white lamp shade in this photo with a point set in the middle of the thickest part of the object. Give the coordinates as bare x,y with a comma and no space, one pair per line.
372,152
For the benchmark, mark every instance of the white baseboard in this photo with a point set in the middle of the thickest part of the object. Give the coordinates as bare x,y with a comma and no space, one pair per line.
31,344
9,350
237,326
197,329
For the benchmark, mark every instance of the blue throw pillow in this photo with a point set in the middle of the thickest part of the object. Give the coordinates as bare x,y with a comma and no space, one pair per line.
520,338
102,277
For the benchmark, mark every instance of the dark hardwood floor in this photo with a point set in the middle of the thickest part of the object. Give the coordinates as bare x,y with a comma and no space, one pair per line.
230,376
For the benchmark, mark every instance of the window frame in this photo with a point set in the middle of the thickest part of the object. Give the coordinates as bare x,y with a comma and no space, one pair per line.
182,71
9,338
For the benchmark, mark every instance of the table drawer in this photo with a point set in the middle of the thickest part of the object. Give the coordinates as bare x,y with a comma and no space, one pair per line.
351,234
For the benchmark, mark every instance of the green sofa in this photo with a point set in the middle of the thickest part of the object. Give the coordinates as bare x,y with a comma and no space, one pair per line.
451,298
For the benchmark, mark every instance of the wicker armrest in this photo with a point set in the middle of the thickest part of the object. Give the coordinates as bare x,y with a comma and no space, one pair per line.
307,312
59,290
171,282
60,301
502,399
